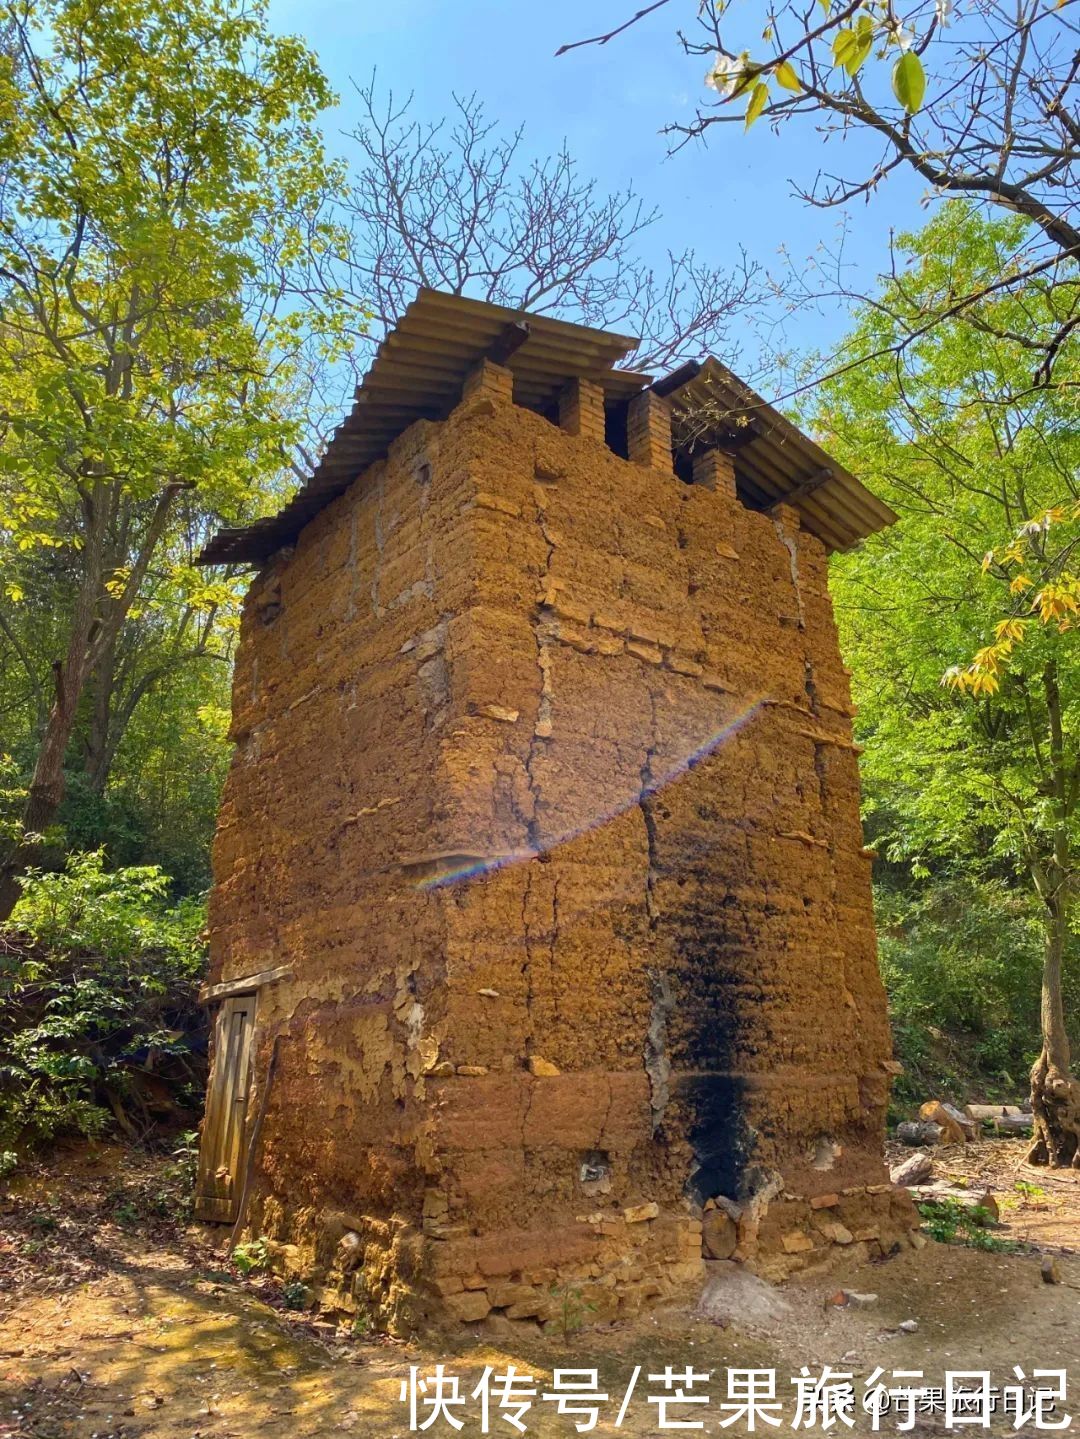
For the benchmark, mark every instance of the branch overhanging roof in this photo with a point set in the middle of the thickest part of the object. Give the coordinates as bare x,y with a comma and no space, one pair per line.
775,461
421,365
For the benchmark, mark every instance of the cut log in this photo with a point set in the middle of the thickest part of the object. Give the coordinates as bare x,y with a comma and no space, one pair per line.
1012,1125
983,1112
918,1132
939,1192
965,1121
934,1111
914,1170
719,1235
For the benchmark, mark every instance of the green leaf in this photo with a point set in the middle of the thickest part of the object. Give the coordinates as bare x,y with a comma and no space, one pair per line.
851,47
909,81
786,76
758,99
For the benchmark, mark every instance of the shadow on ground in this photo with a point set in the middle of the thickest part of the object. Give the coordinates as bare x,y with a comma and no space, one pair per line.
132,1327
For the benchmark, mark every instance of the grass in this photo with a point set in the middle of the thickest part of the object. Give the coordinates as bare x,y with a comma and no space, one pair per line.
950,1222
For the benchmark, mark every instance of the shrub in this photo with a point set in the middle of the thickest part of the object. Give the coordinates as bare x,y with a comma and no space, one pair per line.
949,1222
961,959
99,1017
252,1255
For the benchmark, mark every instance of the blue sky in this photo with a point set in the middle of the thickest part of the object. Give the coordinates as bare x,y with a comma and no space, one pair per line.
610,103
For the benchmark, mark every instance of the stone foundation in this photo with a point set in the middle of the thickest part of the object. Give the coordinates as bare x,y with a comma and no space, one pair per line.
613,1263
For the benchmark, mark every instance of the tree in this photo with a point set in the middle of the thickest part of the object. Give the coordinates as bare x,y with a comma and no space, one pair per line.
163,204
1039,603
146,754
455,205
977,99
969,697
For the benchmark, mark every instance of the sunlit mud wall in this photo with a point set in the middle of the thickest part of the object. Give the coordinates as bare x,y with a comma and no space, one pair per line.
545,791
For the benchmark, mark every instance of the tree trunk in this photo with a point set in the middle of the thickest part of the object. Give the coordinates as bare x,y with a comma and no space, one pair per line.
99,746
95,625
1055,1095
47,785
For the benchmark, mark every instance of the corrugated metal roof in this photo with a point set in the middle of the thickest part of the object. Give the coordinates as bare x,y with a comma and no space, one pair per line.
420,367
774,460
417,373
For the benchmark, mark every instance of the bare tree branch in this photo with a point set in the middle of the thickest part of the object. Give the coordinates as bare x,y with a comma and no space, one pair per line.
998,124
457,205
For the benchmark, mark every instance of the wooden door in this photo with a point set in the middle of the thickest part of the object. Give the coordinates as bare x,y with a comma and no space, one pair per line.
222,1148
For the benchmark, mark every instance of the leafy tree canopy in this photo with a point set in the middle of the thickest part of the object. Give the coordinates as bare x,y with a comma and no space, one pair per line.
936,432
165,226
958,623
977,99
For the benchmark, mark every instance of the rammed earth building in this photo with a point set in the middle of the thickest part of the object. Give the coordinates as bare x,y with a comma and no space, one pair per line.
542,943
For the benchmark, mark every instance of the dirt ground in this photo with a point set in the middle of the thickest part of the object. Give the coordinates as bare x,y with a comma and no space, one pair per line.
117,1318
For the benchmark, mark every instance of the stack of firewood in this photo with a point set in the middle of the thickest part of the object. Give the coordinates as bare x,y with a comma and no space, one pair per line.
942,1123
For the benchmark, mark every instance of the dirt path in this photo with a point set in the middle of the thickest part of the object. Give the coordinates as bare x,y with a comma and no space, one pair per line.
116,1321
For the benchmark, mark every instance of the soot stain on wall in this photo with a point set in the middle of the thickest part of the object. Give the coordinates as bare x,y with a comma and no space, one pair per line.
529,797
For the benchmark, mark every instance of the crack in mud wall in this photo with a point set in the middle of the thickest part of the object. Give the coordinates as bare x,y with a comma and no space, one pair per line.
548,796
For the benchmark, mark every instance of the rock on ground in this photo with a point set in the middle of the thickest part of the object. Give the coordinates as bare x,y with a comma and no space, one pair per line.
733,1295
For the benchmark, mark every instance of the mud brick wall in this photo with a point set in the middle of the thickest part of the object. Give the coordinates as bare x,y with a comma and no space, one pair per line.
545,790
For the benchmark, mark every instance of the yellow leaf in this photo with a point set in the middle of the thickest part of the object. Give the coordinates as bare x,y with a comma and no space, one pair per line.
786,76
758,99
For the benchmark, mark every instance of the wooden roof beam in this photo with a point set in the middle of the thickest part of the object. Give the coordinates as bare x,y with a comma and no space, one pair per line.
507,341
805,487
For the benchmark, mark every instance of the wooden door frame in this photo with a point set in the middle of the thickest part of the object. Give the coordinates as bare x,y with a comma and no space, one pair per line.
224,1138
